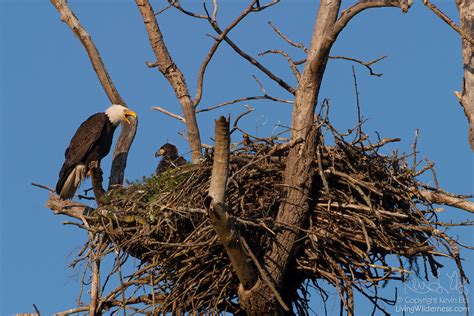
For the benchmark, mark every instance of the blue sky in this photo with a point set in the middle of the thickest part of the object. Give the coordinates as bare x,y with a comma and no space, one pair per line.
47,88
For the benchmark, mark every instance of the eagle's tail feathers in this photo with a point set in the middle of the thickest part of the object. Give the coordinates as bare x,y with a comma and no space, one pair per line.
73,181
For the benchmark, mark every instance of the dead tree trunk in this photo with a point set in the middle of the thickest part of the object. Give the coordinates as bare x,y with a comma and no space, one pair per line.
466,96
298,177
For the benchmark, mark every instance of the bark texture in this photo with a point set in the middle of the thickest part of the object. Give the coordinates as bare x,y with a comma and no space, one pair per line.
298,173
173,74
220,219
466,96
298,177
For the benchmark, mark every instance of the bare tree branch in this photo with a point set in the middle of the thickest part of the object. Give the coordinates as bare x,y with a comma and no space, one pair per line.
241,115
214,11
252,60
448,21
68,17
258,97
366,64
164,111
362,5
177,5
67,207
95,285
73,311
173,74
291,62
286,39
439,197
214,47
466,96
220,219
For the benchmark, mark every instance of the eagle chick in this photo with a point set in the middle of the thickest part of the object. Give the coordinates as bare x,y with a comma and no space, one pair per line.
170,158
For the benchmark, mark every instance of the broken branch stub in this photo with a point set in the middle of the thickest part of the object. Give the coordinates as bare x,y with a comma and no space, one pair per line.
221,220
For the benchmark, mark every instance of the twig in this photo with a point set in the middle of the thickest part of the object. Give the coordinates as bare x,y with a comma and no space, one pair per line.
178,6
214,11
175,116
36,310
258,97
164,9
366,64
448,21
252,60
264,275
289,41
247,111
73,311
359,117
216,44
42,186
413,146
381,143
291,62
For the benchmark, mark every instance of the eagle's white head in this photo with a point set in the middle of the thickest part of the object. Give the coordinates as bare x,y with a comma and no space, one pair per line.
118,113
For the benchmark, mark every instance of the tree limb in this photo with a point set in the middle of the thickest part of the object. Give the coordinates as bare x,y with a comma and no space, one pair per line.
178,6
214,47
220,218
466,96
362,5
97,179
253,61
438,197
366,64
465,36
174,75
95,284
291,62
173,115
68,17
67,207
128,132
287,39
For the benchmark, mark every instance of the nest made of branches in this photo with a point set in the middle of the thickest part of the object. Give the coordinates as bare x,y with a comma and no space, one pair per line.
368,224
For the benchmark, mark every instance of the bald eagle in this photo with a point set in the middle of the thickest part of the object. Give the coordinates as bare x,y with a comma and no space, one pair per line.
91,142
170,158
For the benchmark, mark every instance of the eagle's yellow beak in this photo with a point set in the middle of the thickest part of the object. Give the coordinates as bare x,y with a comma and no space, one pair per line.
129,113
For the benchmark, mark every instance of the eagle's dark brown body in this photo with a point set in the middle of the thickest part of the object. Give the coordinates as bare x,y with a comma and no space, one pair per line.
91,142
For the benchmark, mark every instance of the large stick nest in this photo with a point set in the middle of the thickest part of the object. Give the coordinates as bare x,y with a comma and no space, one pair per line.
367,225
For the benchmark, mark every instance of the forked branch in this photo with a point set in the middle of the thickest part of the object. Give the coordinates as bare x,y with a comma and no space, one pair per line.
249,58
214,47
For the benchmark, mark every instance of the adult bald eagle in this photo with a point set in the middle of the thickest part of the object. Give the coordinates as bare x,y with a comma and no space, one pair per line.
170,159
91,142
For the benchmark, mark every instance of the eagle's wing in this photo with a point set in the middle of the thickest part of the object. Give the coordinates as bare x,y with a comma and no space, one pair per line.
81,143
84,139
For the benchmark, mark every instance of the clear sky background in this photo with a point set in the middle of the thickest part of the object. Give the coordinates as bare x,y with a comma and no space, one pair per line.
48,87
